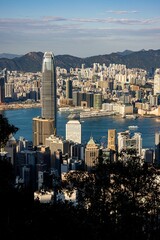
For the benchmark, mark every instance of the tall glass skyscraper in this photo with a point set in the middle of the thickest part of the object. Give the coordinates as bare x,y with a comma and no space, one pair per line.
45,125
48,93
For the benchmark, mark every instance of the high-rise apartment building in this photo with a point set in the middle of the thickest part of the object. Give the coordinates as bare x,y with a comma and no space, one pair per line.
9,90
157,81
45,125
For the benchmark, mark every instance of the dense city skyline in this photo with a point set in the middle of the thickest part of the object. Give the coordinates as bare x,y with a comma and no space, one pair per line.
83,29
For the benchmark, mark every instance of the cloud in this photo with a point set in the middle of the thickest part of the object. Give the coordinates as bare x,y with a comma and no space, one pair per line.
60,25
122,11
46,21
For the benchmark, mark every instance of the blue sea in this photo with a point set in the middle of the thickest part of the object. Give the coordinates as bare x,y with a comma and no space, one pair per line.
97,127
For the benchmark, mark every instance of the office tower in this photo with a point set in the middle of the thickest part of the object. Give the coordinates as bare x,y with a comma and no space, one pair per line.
75,98
42,128
45,125
26,167
97,101
91,154
77,151
157,148
126,142
48,94
56,142
89,99
147,155
68,88
81,98
112,139
73,131
157,81
43,158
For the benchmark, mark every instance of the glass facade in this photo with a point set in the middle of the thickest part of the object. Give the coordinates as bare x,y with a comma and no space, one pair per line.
48,95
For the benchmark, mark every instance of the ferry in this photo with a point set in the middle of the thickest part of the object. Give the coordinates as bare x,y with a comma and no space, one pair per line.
73,116
92,114
130,116
133,127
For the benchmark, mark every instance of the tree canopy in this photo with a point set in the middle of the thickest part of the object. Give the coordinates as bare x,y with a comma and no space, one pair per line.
6,129
122,196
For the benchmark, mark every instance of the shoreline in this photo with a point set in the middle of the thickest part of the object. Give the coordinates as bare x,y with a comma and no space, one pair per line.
16,106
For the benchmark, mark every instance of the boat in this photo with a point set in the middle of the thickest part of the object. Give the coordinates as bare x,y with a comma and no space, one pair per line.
130,116
93,114
73,116
132,127
157,119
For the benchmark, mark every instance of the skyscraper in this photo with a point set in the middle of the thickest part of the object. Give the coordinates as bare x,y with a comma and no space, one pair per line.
68,88
45,125
73,131
157,148
112,139
97,101
157,81
91,154
128,142
48,93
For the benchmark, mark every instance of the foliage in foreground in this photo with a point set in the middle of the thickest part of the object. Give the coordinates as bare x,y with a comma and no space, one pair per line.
118,200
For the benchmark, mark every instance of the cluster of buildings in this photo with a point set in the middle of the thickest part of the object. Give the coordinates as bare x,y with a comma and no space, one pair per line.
44,161
113,88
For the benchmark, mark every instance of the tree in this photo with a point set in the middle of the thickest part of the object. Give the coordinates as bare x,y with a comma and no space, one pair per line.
122,197
6,129
6,171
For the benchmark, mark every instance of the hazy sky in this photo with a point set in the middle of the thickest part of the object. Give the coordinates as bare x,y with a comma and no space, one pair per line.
81,28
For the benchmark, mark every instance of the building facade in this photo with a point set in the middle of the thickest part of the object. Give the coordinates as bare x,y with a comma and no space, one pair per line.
73,131
91,155
112,139
157,148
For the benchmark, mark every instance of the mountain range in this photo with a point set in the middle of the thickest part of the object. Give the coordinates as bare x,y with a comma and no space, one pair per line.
32,61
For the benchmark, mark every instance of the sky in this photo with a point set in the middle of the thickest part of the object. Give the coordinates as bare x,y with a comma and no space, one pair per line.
80,28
